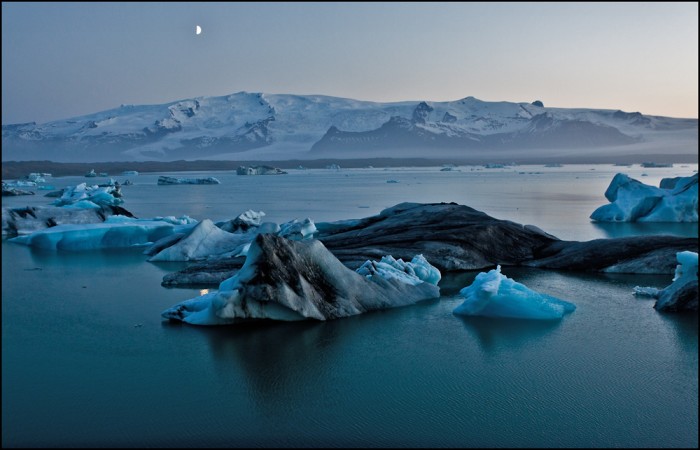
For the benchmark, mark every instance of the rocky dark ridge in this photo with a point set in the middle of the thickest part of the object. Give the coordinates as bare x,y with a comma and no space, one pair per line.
455,237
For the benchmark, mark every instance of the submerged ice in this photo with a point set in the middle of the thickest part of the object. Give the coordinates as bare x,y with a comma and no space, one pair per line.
493,294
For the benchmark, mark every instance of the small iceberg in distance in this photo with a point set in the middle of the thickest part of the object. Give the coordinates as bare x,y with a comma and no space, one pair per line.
165,180
493,294
260,170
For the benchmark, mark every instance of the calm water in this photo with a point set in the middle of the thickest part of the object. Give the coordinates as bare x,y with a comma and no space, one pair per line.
87,360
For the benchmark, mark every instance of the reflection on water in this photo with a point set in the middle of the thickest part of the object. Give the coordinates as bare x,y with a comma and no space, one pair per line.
90,258
494,334
452,282
685,327
282,362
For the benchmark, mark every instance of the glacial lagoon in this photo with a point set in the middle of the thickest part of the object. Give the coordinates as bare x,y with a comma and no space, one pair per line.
88,360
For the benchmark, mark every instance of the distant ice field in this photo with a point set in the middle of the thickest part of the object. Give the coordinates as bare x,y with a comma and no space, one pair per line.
558,200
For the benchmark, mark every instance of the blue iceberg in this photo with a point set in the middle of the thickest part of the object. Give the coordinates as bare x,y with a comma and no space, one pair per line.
675,200
419,270
493,294
115,232
682,294
84,196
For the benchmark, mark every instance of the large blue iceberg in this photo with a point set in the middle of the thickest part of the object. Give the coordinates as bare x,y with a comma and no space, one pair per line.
493,294
115,232
675,200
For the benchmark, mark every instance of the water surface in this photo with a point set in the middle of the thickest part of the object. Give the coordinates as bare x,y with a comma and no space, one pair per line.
87,359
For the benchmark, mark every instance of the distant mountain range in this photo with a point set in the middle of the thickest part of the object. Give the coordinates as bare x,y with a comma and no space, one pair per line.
250,126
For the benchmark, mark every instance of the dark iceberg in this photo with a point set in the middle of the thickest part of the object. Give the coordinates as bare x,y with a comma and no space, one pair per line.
455,237
291,280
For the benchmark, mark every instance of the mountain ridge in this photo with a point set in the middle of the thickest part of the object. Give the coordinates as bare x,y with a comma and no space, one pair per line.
284,126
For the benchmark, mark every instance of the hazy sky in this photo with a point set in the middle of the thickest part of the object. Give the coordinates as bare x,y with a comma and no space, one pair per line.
61,60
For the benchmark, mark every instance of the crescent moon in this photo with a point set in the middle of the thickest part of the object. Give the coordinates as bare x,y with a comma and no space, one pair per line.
198,30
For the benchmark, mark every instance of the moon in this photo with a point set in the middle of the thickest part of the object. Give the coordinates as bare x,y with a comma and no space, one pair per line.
197,30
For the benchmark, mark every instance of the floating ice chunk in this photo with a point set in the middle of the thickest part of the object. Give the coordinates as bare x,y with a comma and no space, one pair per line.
30,219
20,183
84,196
634,201
297,230
493,294
8,190
415,272
646,291
164,180
259,170
182,220
682,294
114,232
209,240
244,222
291,280
36,177
204,240
687,267
163,243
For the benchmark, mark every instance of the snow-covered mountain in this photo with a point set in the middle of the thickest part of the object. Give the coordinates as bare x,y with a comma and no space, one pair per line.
246,126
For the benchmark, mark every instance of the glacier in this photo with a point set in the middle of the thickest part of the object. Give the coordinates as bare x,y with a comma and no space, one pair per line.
291,280
493,294
675,200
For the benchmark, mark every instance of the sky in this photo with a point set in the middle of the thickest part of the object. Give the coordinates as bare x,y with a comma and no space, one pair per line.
62,60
